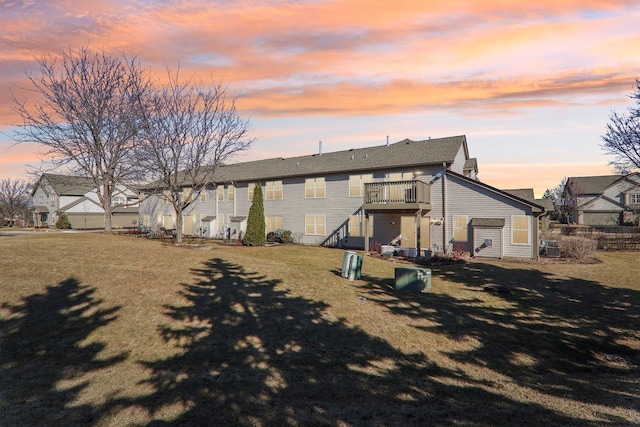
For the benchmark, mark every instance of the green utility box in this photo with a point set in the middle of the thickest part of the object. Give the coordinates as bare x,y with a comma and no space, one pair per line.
352,265
412,279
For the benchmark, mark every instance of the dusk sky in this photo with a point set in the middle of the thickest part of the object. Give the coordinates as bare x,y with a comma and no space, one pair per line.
531,84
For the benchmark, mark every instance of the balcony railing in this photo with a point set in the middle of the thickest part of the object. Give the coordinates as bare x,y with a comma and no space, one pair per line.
397,192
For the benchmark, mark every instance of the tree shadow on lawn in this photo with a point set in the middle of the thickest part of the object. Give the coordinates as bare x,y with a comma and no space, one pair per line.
562,339
42,344
253,354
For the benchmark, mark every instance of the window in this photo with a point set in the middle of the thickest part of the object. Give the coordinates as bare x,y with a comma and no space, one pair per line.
251,187
168,221
634,198
520,230
356,225
356,184
231,190
273,223
186,193
400,176
220,191
166,196
117,200
203,195
146,220
460,228
41,198
315,225
273,190
314,188
52,200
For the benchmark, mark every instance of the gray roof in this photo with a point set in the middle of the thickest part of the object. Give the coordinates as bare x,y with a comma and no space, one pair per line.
66,185
547,204
471,164
400,154
592,184
523,193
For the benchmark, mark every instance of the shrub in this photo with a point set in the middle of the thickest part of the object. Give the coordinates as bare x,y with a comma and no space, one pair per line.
256,227
286,237
63,222
280,236
576,247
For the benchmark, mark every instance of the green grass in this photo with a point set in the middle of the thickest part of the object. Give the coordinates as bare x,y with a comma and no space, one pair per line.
116,330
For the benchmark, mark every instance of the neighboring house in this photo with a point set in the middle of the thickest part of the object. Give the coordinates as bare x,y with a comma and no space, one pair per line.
603,200
76,196
424,194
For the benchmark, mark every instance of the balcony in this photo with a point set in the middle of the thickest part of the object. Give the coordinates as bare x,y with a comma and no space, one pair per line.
397,196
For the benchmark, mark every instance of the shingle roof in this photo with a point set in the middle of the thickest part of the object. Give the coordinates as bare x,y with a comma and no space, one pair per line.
592,184
547,204
471,164
523,193
400,154
66,185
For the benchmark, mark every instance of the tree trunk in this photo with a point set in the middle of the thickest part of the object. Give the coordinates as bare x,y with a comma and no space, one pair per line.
106,196
179,223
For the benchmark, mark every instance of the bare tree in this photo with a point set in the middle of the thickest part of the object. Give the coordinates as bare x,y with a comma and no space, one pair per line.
14,198
87,117
622,139
192,128
566,194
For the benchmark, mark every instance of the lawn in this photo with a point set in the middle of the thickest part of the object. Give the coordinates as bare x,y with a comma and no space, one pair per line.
108,330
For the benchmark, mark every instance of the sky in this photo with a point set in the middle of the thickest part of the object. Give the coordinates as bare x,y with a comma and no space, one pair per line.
531,84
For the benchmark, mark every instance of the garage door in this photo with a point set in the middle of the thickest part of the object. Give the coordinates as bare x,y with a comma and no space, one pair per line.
601,218
124,219
88,221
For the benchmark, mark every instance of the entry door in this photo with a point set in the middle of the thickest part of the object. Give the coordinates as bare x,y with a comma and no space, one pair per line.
408,230
188,225
424,232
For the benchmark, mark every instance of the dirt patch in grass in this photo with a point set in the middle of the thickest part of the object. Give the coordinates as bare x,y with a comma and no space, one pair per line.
115,330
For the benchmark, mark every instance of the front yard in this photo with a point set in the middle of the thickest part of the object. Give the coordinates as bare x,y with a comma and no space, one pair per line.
118,330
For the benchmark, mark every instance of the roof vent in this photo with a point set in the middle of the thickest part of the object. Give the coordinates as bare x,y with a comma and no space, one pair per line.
366,155
319,148
387,140
353,156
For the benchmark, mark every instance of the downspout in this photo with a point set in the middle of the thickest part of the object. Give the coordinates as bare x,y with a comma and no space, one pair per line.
444,208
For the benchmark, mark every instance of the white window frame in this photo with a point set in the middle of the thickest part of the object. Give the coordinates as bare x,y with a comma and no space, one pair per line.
514,229
314,186
312,225
465,228
117,200
231,192
250,187
356,184
634,198
271,190
220,193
